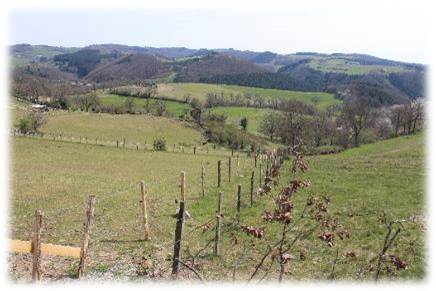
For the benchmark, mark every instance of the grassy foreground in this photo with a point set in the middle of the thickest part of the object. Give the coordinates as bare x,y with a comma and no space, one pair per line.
362,183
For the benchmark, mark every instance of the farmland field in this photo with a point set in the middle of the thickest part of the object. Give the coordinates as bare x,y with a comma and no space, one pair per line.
352,68
234,115
56,177
182,90
134,128
173,107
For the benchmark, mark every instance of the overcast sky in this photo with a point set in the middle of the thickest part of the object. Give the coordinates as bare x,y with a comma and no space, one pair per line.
388,29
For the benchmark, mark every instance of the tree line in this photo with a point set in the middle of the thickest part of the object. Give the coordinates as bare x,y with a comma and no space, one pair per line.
355,121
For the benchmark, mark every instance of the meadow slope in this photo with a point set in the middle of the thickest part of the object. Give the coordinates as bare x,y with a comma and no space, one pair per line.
362,183
198,90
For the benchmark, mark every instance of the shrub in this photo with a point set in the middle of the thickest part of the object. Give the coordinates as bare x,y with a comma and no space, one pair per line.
159,144
232,137
24,125
31,122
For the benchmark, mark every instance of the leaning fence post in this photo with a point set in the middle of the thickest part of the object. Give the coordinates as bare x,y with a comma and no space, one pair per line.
36,247
218,225
144,210
230,167
238,205
219,174
202,181
251,188
86,235
179,227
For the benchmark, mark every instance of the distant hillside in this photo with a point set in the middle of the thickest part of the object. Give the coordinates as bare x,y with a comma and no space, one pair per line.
166,52
83,61
129,69
25,53
385,81
45,71
214,65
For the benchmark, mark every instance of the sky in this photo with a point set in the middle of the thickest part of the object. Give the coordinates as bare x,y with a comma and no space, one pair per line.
389,29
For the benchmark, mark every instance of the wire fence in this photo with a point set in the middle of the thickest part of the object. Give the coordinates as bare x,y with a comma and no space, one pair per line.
119,229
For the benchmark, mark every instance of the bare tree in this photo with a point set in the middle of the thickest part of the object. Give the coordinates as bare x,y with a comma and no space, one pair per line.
357,115
270,125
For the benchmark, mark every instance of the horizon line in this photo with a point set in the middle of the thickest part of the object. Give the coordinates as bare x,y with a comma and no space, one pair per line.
228,48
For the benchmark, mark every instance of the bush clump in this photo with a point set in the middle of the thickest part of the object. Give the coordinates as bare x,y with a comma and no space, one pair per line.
31,122
159,144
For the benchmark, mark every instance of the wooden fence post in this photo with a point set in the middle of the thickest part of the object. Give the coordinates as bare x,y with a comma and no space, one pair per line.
237,165
124,142
219,174
238,205
232,152
144,211
255,160
86,235
179,228
202,181
230,168
36,247
174,148
218,225
260,174
117,143
195,149
267,167
251,188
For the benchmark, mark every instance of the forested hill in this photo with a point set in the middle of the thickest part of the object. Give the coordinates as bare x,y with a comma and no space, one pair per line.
385,81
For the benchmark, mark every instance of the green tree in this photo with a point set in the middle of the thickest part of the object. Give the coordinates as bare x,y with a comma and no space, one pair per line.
244,123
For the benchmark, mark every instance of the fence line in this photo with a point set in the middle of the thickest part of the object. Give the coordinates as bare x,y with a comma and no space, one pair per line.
37,248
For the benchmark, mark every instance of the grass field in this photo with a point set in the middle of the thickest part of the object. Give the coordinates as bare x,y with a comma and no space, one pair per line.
234,115
134,128
173,107
198,90
351,67
56,177
362,183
